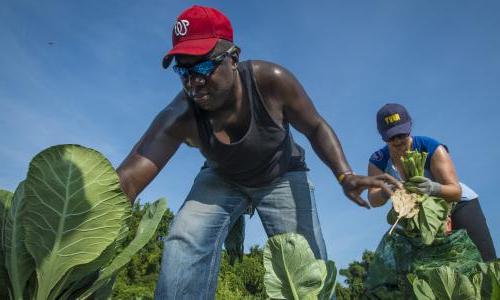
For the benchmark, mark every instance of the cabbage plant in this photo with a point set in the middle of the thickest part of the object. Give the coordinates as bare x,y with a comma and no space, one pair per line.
417,216
62,230
446,283
292,271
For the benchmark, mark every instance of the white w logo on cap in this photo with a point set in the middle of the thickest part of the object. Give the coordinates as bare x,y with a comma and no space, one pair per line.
181,27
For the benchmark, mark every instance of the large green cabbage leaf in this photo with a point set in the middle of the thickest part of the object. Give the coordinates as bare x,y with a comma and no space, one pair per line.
330,281
5,203
78,287
145,230
19,262
74,277
292,271
105,292
477,282
464,289
422,290
442,281
431,217
494,274
74,211
490,279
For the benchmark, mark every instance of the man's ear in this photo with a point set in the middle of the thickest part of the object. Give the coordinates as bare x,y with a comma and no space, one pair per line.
236,57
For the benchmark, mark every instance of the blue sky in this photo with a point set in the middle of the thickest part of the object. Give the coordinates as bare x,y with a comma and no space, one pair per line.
88,72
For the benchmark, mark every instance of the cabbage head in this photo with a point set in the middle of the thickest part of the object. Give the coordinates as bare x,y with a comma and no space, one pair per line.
62,230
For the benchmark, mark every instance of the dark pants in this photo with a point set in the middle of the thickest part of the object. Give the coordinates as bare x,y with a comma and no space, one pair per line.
469,216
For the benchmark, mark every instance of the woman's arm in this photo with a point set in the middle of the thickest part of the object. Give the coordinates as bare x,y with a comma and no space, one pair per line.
444,173
376,196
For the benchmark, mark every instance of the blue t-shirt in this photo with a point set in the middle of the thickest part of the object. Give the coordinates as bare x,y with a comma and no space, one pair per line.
382,160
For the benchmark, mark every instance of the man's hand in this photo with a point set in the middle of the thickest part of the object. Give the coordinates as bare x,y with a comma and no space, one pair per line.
423,185
354,185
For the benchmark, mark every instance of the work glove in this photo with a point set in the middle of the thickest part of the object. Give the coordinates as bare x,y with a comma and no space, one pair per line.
423,185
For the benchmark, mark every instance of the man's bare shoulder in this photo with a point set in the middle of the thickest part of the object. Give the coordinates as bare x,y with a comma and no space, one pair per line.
273,79
177,110
265,71
177,119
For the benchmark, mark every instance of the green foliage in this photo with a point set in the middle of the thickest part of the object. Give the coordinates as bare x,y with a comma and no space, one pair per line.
422,290
355,275
65,226
244,279
292,271
234,242
5,203
424,284
445,283
398,255
342,293
137,280
430,221
432,218
147,227
19,263
488,279
414,163
428,224
328,290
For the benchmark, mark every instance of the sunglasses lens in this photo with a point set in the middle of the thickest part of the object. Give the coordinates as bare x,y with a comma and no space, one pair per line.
181,71
398,137
205,68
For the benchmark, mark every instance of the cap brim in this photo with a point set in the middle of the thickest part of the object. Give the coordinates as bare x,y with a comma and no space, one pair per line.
190,47
399,129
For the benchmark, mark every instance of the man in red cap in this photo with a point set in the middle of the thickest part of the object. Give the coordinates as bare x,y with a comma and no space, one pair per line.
238,114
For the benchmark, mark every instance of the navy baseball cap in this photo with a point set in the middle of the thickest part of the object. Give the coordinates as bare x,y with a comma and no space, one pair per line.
393,119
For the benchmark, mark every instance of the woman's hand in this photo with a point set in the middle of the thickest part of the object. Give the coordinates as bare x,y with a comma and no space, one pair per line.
354,185
423,185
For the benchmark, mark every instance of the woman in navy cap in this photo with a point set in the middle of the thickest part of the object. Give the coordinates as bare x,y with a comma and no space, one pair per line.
394,125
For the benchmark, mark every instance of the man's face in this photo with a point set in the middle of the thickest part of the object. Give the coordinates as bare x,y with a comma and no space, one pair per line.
209,92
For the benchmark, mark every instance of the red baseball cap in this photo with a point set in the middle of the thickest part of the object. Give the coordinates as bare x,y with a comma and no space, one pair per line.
197,31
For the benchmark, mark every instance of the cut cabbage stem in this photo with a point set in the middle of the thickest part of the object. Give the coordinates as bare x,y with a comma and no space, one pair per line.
394,225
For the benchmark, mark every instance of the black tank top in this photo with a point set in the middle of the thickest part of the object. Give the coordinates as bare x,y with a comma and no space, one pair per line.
265,152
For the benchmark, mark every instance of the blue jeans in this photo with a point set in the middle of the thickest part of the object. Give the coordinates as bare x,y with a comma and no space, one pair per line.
192,251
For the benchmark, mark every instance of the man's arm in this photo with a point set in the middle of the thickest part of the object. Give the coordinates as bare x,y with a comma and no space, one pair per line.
376,196
282,87
158,144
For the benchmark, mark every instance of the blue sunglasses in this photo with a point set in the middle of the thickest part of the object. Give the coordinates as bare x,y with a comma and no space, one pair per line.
204,68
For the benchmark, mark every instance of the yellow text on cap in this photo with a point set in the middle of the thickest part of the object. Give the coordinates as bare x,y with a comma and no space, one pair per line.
392,118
